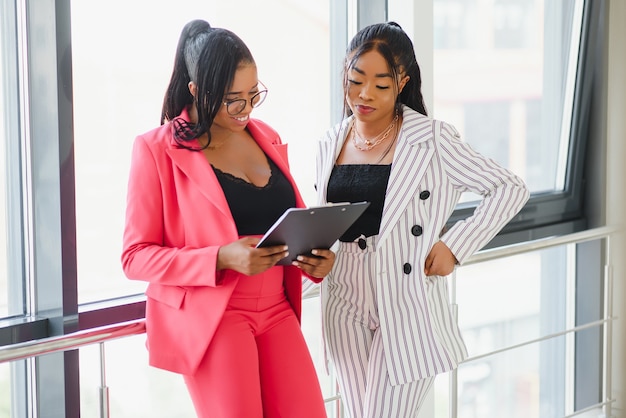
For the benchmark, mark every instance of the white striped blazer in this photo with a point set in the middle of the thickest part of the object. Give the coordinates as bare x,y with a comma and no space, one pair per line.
431,168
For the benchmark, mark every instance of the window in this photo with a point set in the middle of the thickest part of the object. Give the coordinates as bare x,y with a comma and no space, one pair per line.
99,81
119,81
5,390
516,315
12,300
4,302
505,75
505,86
511,76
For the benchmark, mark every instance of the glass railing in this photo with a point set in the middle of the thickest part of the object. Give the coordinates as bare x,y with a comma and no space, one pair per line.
520,338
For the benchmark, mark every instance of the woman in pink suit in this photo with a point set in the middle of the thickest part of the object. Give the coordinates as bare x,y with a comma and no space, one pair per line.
203,187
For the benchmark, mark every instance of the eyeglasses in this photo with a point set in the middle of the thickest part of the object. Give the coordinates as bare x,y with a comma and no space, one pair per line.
235,107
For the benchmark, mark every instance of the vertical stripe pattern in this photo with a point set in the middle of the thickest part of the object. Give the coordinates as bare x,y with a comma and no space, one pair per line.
354,340
419,336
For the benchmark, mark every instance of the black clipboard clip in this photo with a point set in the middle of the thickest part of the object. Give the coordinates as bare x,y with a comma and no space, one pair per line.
303,229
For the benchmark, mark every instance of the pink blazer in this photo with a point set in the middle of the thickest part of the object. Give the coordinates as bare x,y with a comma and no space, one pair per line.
176,219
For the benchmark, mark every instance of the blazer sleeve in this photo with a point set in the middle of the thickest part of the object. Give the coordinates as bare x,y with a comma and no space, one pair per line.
145,255
503,193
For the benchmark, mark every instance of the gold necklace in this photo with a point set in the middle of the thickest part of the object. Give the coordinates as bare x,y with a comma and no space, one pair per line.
378,139
391,142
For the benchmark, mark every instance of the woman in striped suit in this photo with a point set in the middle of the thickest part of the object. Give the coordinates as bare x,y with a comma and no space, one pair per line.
387,322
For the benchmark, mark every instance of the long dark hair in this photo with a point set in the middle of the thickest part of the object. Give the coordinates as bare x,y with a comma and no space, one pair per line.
177,96
397,49
222,54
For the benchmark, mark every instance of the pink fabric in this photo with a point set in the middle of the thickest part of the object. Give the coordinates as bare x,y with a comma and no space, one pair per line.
176,219
258,364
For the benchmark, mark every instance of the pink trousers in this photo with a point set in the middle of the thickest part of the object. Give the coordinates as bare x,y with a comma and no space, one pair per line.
258,364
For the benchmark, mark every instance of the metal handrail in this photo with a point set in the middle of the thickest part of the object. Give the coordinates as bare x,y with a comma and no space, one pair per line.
542,243
605,322
110,332
82,338
521,248
71,341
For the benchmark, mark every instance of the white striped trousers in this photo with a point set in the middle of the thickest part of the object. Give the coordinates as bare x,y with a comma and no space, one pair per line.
353,341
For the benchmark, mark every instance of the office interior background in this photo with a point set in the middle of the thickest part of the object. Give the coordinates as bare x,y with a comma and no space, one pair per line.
538,85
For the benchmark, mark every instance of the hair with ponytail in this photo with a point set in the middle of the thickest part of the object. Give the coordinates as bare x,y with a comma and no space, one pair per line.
177,96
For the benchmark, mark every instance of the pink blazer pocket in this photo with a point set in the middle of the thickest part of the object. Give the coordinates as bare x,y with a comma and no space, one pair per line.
282,150
172,296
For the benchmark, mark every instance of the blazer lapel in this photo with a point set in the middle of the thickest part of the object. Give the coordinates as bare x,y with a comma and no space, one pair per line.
329,150
195,166
411,159
269,141
272,153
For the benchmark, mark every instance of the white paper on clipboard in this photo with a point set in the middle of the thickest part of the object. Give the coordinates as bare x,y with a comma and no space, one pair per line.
303,229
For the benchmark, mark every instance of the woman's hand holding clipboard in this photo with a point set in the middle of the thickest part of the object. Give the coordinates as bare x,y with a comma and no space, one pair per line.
305,229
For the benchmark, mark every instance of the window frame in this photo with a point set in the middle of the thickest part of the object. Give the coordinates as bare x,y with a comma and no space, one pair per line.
563,212
42,272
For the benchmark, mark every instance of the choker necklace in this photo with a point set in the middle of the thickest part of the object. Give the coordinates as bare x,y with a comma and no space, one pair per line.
371,144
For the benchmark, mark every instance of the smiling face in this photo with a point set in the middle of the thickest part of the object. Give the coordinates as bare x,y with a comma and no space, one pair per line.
245,86
372,90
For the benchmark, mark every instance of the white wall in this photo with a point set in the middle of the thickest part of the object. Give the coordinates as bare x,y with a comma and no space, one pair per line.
616,193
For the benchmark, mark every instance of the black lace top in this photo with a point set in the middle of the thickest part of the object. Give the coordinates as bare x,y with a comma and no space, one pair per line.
254,208
358,183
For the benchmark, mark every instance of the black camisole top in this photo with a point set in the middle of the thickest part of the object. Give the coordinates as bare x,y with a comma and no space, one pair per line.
254,208
358,183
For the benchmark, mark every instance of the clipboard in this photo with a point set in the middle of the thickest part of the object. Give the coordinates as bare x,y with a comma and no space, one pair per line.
304,229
